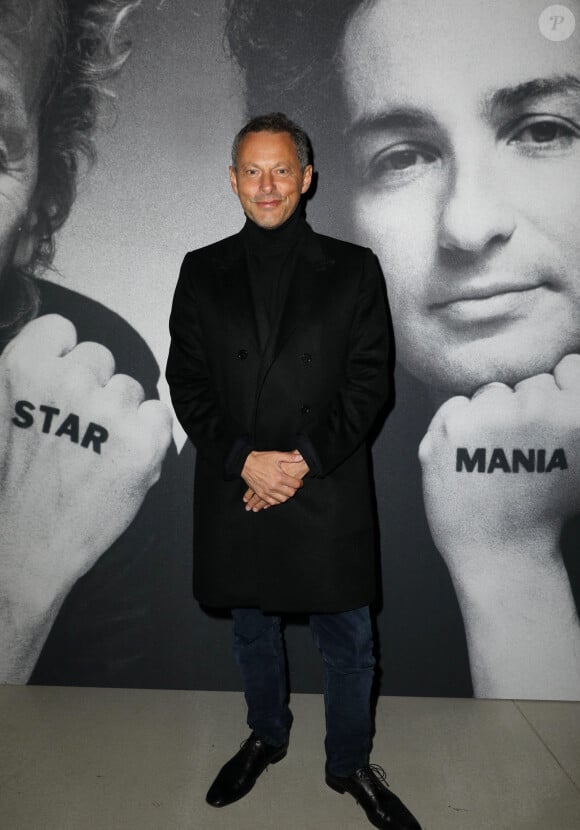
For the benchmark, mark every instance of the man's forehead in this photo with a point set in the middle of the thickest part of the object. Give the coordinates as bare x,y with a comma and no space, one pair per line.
416,54
459,21
267,136
268,143
27,31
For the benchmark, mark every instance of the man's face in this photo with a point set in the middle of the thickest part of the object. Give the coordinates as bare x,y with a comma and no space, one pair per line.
465,127
23,53
268,179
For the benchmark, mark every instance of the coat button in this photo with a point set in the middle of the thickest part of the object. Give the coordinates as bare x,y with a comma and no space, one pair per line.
305,409
242,354
306,358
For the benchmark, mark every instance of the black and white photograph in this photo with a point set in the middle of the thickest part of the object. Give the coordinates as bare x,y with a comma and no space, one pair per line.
389,330
473,220
461,169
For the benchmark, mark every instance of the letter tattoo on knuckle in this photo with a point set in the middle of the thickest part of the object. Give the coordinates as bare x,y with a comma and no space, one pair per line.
516,460
93,435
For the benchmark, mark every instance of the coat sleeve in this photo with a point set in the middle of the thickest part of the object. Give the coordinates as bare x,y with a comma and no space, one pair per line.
346,422
213,431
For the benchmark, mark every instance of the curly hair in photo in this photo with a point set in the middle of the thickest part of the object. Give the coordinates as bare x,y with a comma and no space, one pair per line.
88,47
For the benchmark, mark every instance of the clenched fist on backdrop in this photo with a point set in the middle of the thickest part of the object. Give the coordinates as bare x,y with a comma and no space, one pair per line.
79,450
501,474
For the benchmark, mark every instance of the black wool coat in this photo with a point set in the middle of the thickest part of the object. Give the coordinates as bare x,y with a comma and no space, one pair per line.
319,384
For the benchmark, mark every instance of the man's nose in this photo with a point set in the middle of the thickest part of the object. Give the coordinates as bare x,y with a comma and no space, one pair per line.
266,181
475,212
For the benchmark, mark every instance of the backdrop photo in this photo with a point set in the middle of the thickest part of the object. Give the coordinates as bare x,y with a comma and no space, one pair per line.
457,163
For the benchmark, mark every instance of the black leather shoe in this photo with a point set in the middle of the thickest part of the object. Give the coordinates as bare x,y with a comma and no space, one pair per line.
369,787
238,776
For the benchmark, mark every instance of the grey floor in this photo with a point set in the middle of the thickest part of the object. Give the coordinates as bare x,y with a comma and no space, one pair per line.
106,759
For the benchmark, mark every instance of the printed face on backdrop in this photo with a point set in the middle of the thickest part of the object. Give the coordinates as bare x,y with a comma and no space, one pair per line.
464,123
268,179
23,53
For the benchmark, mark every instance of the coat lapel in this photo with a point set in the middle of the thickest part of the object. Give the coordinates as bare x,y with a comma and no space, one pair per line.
304,293
232,271
305,290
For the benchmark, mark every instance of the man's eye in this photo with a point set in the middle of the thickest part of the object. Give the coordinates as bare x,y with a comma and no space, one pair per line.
545,132
403,159
400,163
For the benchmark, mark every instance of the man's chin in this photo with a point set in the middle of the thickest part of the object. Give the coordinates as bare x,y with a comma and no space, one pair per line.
446,381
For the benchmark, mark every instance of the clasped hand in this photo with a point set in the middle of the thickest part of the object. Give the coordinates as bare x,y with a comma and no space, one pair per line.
272,477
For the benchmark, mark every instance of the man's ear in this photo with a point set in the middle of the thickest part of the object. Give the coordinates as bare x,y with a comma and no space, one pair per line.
27,240
233,180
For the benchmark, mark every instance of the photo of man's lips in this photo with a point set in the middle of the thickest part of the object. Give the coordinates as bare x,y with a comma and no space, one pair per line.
489,301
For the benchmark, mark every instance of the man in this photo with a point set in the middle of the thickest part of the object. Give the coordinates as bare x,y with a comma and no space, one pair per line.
464,166
278,368
79,445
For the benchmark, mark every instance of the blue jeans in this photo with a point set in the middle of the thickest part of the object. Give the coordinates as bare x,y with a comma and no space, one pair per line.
346,643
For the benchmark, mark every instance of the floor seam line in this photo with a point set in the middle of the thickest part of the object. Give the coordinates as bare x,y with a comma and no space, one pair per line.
546,747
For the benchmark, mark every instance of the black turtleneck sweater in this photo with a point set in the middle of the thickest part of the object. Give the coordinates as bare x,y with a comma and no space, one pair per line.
271,254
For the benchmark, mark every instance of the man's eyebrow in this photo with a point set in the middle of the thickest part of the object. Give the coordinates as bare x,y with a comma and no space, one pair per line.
515,96
268,164
505,98
392,119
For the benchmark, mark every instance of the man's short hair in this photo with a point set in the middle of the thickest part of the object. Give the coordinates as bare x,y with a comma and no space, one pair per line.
86,49
275,122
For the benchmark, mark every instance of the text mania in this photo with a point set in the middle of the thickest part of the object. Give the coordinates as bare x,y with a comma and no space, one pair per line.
482,460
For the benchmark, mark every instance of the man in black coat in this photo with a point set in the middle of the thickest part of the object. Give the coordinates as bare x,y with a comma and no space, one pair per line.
278,370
